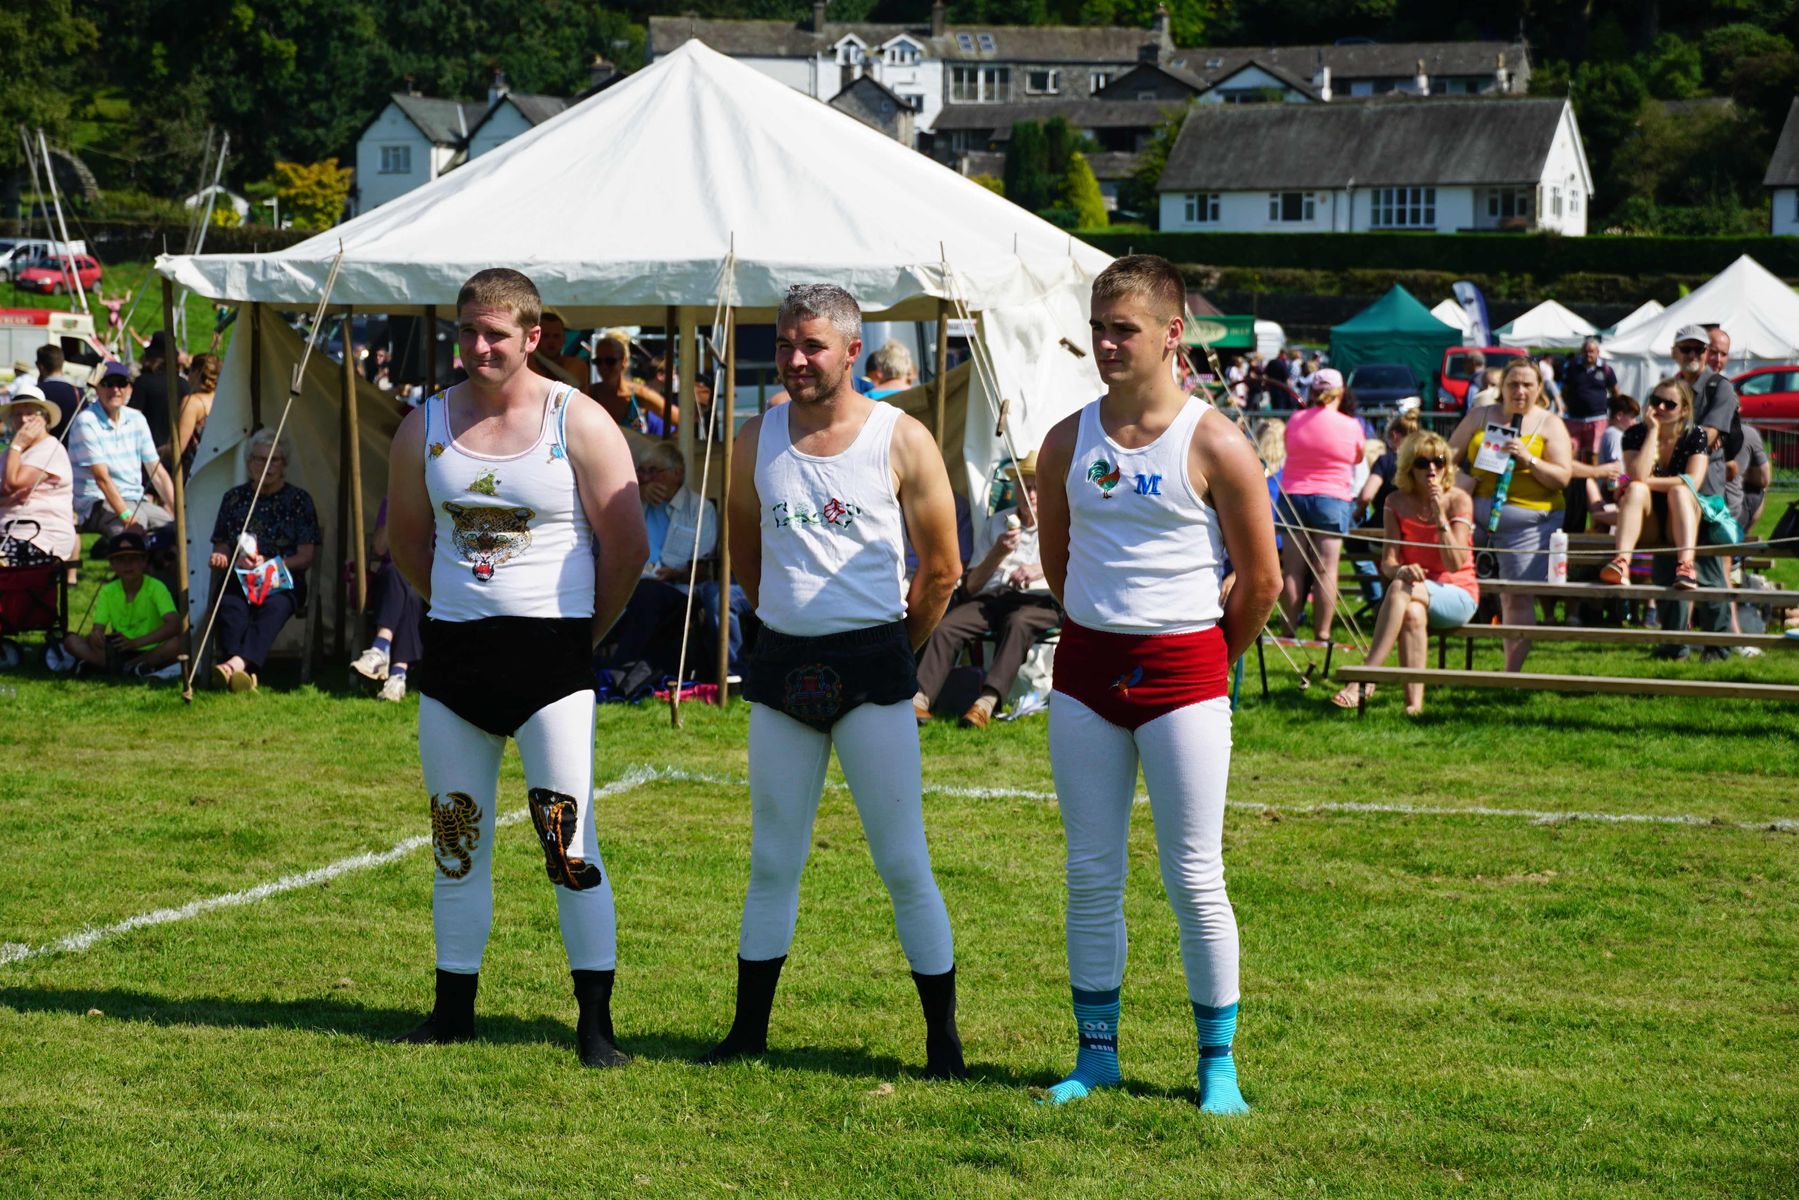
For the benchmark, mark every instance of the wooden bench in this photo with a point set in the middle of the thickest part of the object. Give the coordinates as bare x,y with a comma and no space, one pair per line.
1296,643
1760,597
1603,635
1590,542
1522,681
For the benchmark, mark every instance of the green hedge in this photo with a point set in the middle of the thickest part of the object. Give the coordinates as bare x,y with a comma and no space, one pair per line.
128,241
1542,256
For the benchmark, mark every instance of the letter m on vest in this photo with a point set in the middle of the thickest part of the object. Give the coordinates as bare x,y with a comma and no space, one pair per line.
1149,485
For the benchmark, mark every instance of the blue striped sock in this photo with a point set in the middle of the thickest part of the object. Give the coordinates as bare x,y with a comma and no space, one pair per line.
1096,1062
1218,1092
382,644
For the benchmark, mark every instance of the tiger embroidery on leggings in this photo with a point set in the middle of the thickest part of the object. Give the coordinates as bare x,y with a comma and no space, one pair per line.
554,814
455,832
488,535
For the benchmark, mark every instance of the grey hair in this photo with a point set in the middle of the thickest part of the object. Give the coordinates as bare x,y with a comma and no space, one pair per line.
1588,341
666,455
261,439
892,361
825,300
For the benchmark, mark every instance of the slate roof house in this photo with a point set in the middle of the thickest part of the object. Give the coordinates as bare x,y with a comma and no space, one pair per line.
411,141
1398,163
1782,180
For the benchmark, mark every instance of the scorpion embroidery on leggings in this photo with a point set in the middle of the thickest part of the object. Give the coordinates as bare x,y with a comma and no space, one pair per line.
455,832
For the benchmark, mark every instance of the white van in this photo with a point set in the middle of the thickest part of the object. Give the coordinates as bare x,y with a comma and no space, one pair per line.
23,330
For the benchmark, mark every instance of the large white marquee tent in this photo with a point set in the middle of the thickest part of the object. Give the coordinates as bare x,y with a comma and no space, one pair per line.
1757,310
630,204
1549,324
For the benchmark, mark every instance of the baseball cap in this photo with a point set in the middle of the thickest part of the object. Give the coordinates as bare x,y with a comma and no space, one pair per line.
110,369
1327,378
128,542
1693,333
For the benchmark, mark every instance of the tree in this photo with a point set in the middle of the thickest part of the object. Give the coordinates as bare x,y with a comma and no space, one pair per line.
1027,180
313,194
1080,191
1608,100
1137,195
42,42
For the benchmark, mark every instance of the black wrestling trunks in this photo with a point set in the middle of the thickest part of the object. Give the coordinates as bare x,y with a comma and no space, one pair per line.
818,679
495,672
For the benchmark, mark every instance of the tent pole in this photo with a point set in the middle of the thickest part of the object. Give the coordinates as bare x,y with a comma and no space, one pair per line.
339,600
430,350
171,366
940,390
671,392
255,366
725,418
353,548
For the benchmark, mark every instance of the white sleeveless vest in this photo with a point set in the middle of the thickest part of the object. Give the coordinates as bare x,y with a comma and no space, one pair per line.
512,537
1144,552
833,539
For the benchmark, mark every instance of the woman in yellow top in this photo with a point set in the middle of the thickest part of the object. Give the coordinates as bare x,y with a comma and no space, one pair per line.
1541,465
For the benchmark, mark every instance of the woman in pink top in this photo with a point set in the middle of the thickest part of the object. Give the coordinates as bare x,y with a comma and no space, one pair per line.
1324,444
36,490
1429,559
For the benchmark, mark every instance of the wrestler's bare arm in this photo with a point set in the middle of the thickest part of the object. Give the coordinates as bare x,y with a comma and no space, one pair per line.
1237,491
409,524
746,513
1053,458
929,507
607,481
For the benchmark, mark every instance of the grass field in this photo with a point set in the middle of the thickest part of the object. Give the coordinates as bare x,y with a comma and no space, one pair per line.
1439,1000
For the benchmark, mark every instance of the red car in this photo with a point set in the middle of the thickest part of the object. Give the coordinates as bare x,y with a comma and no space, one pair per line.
1455,376
1769,393
51,275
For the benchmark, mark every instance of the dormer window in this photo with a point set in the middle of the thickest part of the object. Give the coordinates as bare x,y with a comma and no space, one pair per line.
965,42
987,44
1213,64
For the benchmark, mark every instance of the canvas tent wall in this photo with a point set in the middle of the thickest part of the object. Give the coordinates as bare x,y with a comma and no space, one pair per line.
603,253
1394,329
1760,313
311,442
1549,325
1455,316
1638,315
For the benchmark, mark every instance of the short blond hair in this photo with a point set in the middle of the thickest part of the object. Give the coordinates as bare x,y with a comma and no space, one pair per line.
502,287
1149,276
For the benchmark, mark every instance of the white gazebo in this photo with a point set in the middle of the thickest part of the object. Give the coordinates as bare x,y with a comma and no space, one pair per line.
697,184
1549,324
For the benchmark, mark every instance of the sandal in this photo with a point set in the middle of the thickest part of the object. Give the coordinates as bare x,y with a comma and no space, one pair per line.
1347,697
243,681
1686,576
1616,571
221,676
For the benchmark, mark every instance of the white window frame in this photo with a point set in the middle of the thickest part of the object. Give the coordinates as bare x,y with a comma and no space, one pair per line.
986,43
1200,208
1308,206
1051,81
965,42
1098,78
396,160
991,84
1402,208
1516,199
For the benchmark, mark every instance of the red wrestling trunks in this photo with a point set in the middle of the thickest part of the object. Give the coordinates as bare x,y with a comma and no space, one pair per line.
1131,679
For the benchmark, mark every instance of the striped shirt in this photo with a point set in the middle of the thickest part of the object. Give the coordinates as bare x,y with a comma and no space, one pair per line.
123,447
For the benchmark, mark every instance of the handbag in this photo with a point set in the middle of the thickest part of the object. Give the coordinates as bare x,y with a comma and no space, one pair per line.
1717,526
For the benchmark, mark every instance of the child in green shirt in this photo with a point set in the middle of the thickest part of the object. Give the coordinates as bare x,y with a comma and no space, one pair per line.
134,617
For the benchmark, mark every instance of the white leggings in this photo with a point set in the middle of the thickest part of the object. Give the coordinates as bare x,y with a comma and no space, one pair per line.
878,747
556,744
1186,757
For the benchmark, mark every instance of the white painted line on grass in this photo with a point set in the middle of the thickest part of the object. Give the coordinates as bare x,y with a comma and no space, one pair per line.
637,776
75,943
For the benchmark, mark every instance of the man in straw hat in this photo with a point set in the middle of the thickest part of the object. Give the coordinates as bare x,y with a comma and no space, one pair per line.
1008,597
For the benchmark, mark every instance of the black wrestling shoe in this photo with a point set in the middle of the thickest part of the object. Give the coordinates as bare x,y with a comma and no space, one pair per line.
594,1040
942,1044
756,982
452,1019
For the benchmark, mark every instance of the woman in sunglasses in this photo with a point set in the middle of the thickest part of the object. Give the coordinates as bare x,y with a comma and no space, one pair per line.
1428,562
1654,503
632,403
1517,506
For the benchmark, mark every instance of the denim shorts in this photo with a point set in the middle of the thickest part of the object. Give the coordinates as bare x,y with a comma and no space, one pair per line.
1322,514
1449,606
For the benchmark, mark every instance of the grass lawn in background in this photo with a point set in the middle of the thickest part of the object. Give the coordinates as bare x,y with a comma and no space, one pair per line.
127,280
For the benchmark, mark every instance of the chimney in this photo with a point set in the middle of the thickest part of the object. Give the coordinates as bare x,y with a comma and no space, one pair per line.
938,19
1423,80
1499,73
496,91
412,85
1321,78
600,72
1149,52
818,16
1159,26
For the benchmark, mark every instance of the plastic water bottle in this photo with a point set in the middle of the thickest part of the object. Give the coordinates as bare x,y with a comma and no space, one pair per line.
1558,557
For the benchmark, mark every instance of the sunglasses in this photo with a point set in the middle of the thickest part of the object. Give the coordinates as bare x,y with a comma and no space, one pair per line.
608,360
1689,349
1665,404
1425,464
